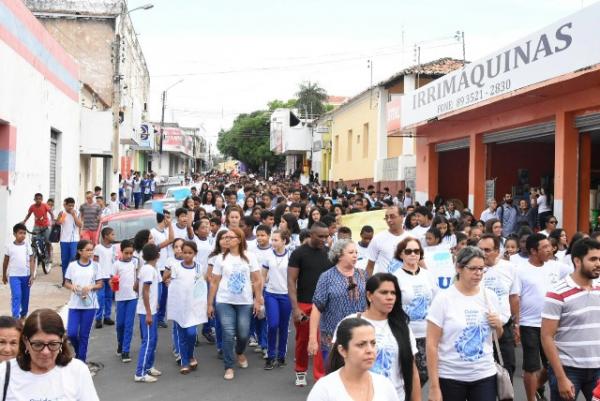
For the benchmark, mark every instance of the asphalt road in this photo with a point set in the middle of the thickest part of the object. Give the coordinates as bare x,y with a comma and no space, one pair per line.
115,381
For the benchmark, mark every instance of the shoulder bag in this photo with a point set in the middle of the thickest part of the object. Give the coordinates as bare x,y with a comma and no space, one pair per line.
504,387
4,378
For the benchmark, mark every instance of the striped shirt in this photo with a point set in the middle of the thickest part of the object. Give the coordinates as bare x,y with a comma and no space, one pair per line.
578,312
90,214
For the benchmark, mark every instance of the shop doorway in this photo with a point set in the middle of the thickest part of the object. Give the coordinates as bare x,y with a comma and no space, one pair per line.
520,159
453,170
589,172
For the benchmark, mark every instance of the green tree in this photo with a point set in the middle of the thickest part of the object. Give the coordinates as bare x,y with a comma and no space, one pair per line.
248,140
311,99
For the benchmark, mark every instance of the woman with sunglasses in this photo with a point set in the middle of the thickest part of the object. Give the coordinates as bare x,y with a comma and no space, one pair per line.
340,292
550,225
45,368
460,354
418,290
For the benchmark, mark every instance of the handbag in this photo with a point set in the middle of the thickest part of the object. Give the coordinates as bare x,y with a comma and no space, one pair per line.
504,387
55,233
4,378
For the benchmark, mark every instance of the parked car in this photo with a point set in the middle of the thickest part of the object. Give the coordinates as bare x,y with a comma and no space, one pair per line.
127,223
164,183
187,190
170,204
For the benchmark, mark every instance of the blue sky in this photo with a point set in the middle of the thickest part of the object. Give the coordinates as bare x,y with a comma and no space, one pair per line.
235,56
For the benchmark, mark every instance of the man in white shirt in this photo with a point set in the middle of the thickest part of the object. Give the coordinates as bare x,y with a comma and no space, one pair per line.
535,278
424,223
408,200
383,245
163,236
490,212
501,278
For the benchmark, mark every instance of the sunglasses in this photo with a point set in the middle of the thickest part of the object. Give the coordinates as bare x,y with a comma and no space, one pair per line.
411,251
351,284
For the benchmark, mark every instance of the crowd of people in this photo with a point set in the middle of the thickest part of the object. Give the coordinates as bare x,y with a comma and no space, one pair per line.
421,302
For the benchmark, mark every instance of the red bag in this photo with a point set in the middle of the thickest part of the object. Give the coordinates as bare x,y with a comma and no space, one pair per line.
114,283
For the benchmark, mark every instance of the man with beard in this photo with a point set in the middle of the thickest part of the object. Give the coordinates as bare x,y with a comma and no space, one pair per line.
507,214
570,322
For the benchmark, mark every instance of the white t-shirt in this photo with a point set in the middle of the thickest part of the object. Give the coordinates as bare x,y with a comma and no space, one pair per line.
518,260
386,361
83,276
363,256
465,349
65,383
542,204
160,237
276,266
418,292
126,273
188,295
418,232
106,257
449,240
148,275
331,388
69,232
182,233
204,249
236,286
438,259
18,262
502,279
533,283
208,207
382,248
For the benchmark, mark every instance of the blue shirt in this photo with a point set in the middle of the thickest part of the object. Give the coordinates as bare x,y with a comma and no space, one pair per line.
335,301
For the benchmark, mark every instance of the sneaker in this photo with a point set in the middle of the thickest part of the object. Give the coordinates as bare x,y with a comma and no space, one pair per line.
269,364
265,353
119,350
280,362
153,372
301,379
125,358
210,338
98,324
258,350
252,342
162,324
108,321
145,379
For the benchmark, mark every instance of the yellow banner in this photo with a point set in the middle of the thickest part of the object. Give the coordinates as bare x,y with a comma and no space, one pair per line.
356,221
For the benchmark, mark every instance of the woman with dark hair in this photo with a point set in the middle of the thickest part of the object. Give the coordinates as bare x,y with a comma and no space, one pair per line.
236,276
83,279
44,368
249,204
418,290
256,210
441,223
494,226
10,331
141,238
410,221
352,355
562,242
290,223
460,355
396,345
279,211
576,237
208,201
314,216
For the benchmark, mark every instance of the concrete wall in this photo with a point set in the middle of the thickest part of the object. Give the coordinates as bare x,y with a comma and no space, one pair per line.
353,117
35,100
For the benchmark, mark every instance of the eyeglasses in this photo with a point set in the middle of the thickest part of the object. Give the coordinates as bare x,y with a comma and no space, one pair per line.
39,346
351,284
411,251
476,269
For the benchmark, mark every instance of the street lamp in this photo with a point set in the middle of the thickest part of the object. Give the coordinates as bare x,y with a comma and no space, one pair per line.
144,7
162,118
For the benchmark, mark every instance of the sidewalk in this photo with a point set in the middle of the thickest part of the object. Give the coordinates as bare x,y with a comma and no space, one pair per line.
46,291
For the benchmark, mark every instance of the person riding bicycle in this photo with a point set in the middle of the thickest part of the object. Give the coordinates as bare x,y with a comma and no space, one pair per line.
41,224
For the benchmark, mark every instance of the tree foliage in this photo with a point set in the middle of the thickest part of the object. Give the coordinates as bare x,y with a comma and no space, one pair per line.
248,140
311,99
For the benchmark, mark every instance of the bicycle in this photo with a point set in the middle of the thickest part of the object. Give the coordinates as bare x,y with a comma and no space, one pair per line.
38,244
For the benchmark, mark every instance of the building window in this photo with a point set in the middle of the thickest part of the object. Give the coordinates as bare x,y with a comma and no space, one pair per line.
336,148
350,144
365,147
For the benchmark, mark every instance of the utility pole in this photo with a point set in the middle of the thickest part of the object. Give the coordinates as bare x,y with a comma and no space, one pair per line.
162,123
460,36
116,98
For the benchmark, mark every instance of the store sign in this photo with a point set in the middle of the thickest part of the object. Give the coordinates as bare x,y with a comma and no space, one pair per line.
176,141
563,47
393,115
146,137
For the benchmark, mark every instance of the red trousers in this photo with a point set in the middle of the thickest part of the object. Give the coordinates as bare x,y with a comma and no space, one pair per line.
302,332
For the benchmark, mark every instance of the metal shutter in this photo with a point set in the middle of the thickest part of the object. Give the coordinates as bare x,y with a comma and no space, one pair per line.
453,145
587,123
53,146
521,133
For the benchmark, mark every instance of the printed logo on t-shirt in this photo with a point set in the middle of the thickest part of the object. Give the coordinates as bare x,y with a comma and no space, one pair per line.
469,344
419,306
385,357
394,265
494,284
237,281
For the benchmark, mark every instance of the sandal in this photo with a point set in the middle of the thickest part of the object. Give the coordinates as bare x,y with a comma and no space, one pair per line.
193,364
228,374
185,370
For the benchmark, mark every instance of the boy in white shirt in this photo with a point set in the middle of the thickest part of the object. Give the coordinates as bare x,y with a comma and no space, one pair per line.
19,263
124,272
105,254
